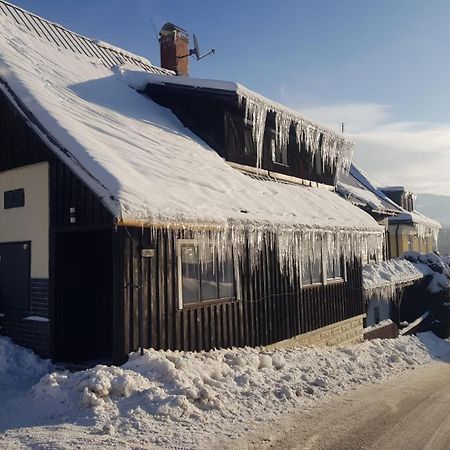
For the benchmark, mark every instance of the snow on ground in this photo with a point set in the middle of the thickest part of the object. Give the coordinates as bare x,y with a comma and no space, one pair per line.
185,399
20,368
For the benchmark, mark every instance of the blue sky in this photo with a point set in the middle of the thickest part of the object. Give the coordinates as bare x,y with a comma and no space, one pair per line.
380,66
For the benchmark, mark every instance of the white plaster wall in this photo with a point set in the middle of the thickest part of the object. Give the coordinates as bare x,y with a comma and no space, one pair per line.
385,311
31,222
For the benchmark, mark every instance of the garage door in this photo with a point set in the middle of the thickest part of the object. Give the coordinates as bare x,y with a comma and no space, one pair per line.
15,264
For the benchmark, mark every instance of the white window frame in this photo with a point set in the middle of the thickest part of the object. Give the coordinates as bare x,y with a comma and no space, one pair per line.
316,283
180,303
342,278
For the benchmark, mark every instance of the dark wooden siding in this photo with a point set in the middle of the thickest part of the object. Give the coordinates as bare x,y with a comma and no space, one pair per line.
21,145
200,111
271,308
69,191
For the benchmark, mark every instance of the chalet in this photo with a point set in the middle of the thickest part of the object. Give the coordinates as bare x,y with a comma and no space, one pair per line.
141,208
406,228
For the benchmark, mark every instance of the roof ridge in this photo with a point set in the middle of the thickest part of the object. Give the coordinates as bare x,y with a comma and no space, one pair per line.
58,34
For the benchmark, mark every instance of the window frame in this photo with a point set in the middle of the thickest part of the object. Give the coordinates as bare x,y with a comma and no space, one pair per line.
309,265
336,279
180,303
283,152
325,280
14,198
248,135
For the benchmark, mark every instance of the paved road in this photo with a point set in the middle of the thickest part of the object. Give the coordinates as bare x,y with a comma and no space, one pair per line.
410,412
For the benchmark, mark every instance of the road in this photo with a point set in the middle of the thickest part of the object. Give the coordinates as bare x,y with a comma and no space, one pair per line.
411,411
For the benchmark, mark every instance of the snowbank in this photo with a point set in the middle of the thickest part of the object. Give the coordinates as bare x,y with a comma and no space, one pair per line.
17,362
185,399
205,391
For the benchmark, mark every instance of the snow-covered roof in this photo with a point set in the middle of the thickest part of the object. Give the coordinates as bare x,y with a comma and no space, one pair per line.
394,188
138,157
60,36
355,186
417,219
393,271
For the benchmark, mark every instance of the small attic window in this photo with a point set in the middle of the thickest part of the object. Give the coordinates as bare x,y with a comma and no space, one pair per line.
249,145
14,198
279,155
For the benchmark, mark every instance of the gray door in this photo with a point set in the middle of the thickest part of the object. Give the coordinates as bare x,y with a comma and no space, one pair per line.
15,262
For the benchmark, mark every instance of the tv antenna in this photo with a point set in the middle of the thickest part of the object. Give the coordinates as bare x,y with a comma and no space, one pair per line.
196,50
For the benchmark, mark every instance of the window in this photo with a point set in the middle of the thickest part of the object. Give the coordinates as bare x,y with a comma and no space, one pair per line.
312,272
335,268
14,199
204,281
249,145
279,155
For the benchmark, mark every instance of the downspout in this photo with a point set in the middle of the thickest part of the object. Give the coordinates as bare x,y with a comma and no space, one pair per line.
397,240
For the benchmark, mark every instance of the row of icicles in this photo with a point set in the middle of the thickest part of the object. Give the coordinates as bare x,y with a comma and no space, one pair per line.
333,149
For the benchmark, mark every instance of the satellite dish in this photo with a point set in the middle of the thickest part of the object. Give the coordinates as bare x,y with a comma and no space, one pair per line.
196,47
196,50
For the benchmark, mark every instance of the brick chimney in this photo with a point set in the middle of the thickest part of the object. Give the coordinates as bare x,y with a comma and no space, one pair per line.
174,46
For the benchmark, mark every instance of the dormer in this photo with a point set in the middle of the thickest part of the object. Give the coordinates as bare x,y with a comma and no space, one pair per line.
248,129
401,196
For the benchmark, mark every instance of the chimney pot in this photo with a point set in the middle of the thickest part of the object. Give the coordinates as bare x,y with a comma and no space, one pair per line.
174,47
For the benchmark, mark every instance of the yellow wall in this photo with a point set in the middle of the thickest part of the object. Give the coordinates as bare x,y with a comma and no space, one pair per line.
31,222
405,238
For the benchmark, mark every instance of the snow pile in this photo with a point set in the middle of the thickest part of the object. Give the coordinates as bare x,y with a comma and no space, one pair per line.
434,265
150,170
382,324
203,390
185,399
17,362
381,279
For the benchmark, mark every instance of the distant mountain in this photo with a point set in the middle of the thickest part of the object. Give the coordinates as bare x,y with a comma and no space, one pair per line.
436,207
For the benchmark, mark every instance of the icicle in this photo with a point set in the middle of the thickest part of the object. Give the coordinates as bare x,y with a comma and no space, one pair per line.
334,150
257,113
382,280
245,243
283,123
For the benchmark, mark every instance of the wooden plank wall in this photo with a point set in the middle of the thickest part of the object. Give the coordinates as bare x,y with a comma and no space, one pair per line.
19,145
66,191
271,309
